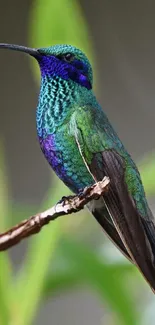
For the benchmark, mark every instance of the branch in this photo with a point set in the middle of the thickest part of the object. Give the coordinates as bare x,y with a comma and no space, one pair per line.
67,205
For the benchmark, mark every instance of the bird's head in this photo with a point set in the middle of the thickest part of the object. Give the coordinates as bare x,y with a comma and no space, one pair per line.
67,62
64,61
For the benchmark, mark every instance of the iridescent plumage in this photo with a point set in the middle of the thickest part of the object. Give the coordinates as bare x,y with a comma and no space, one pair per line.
82,147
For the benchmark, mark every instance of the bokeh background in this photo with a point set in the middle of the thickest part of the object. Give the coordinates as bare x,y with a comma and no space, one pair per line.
70,273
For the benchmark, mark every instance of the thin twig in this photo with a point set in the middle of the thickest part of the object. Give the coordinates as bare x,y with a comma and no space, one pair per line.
67,205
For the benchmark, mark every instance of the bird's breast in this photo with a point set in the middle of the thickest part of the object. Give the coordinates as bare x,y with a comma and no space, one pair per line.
62,153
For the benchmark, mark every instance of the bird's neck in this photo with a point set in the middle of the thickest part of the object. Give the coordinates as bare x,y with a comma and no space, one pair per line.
57,100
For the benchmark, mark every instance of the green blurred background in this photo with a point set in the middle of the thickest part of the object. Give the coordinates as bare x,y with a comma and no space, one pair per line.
70,273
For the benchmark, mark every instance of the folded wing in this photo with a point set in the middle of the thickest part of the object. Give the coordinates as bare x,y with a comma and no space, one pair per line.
133,233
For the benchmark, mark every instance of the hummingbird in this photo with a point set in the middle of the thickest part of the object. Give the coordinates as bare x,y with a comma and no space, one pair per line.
82,147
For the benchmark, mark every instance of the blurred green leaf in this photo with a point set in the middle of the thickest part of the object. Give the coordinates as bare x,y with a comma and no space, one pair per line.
59,281
21,211
5,289
65,279
147,170
102,277
40,253
59,22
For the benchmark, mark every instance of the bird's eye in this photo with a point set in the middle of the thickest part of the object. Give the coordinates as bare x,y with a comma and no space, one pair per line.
68,57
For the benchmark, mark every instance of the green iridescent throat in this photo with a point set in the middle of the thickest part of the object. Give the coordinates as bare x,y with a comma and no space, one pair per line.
57,101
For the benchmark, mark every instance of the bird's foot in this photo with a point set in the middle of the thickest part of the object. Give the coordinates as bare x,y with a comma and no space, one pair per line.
83,191
65,199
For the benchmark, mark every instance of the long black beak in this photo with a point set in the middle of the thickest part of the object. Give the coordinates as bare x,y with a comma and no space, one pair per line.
31,51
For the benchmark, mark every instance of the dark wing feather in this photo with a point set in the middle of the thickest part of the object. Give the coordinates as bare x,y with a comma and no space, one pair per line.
149,226
102,215
136,232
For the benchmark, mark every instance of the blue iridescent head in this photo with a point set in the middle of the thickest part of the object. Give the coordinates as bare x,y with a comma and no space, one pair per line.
67,62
